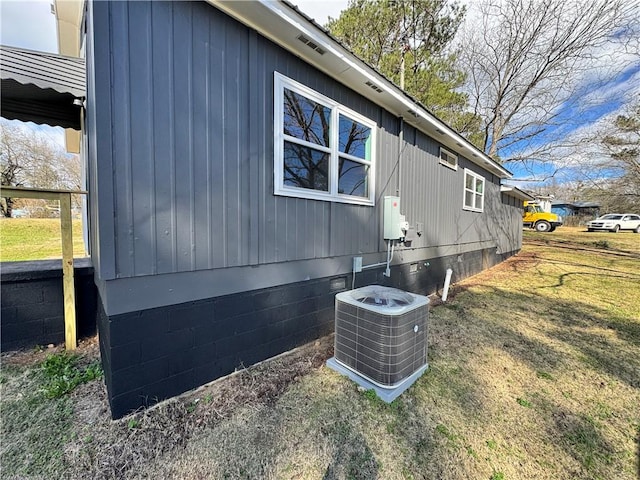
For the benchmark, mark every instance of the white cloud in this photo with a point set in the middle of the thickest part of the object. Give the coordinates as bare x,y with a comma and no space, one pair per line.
28,24
626,91
597,78
321,10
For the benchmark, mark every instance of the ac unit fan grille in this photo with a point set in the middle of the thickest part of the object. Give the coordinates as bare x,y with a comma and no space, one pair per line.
385,349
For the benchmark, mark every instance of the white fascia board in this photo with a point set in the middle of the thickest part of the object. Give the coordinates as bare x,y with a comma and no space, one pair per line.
515,192
273,18
69,14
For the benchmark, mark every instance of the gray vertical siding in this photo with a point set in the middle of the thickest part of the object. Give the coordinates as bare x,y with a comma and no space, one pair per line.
100,161
183,215
184,96
432,194
508,223
164,234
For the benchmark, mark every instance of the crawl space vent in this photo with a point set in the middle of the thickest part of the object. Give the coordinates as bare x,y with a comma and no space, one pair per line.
381,334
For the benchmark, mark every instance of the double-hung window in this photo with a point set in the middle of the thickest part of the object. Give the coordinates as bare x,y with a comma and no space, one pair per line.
473,191
322,150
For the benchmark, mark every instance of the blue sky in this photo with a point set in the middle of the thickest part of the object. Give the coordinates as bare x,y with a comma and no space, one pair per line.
593,105
30,24
590,108
575,113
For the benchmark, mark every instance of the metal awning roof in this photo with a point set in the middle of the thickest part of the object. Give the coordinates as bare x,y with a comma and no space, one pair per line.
40,87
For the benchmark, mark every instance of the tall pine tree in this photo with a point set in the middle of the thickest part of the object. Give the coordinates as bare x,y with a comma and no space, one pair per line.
413,36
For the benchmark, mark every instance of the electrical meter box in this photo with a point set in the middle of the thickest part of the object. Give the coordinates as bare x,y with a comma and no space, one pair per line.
392,222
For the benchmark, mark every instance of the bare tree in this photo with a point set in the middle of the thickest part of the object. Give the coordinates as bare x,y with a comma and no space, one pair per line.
615,178
31,159
526,59
605,167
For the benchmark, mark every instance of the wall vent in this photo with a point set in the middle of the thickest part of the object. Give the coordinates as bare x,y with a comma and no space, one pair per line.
374,87
311,44
337,284
381,333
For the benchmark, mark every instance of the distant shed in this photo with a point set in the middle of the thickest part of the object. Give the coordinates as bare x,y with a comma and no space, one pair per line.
576,208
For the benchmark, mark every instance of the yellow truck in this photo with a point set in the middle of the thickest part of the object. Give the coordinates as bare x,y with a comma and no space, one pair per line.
541,221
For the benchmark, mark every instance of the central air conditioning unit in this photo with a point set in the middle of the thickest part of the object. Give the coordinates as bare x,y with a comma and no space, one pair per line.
381,335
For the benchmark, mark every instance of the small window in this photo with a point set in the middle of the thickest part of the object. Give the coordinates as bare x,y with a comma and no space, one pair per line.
323,151
448,159
473,191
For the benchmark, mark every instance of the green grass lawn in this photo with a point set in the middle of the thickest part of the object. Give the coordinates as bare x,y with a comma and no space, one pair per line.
36,239
623,240
534,373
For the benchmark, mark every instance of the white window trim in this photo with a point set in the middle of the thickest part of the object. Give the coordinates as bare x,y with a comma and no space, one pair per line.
476,177
449,154
279,188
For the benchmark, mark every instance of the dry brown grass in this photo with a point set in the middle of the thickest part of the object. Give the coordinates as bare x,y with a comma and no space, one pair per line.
534,374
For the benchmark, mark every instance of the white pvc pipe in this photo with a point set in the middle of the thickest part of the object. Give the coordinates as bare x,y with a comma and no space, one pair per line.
447,280
387,272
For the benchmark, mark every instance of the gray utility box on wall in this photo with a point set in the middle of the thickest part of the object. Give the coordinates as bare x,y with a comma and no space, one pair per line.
381,335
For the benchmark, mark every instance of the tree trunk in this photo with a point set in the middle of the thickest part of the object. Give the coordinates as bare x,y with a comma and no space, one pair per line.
6,207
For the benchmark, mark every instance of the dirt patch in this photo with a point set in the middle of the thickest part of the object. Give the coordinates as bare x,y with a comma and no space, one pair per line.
88,349
90,404
115,449
102,448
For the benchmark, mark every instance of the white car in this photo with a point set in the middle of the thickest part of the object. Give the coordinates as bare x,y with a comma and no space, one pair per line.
614,222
